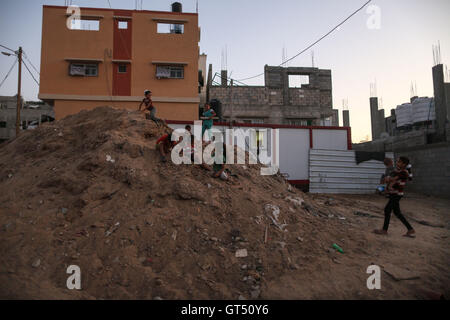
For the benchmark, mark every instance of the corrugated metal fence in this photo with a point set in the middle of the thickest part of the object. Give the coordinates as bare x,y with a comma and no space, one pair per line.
332,171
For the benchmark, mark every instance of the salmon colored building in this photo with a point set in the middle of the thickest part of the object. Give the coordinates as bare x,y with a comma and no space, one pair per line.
97,57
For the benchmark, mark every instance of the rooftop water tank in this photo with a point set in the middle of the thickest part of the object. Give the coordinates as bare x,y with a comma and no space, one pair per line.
177,7
403,114
423,110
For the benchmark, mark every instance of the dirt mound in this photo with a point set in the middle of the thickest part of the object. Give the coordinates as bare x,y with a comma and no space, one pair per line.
90,191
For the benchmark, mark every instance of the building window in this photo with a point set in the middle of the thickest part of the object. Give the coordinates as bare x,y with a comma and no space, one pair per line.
298,81
326,122
85,25
2,124
170,28
123,25
122,68
83,69
299,122
169,72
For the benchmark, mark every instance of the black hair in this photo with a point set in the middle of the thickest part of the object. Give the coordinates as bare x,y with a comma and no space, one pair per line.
405,160
187,127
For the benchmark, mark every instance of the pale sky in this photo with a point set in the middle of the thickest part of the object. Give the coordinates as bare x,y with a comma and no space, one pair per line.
255,33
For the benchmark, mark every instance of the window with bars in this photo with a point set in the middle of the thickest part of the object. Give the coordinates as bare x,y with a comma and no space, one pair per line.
83,69
122,68
299,122
169,72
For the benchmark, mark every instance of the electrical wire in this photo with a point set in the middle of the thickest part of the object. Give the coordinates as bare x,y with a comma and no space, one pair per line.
37,82
7,48
9,72
29,61
316,42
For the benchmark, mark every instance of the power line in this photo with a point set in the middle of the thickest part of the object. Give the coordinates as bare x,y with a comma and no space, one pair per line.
37,82
7,48
317,41
9,72
35,69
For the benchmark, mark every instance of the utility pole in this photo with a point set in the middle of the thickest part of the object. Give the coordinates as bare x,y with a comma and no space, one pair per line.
19,87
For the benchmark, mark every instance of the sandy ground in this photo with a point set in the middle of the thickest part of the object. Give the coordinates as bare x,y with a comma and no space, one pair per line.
90,190
411,268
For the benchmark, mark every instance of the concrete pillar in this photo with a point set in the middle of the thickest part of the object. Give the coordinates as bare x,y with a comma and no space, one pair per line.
439,98
224,77
346,118
447,95
381,122
374,118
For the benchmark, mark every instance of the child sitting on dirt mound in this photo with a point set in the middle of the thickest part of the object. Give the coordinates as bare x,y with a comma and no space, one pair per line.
147,101
165,145
219,169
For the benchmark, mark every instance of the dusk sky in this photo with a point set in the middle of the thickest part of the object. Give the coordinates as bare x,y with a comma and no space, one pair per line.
255,33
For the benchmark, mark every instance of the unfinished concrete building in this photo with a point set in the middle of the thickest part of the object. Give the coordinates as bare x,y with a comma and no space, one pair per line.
32,114
282,100
426,116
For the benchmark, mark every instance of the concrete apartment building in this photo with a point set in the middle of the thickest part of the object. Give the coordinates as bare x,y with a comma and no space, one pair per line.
109,57
277,102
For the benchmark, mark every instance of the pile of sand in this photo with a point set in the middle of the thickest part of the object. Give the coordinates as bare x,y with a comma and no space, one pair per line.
90,190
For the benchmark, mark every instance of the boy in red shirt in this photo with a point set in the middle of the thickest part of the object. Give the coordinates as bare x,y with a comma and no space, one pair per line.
395,187
165,145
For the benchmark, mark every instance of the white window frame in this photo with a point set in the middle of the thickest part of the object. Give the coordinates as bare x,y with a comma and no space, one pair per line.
122,25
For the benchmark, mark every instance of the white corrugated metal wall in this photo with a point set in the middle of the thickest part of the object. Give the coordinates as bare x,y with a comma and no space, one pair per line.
333,171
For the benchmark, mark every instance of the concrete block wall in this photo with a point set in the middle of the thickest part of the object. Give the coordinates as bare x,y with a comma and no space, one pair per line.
431,169
391,144
276,102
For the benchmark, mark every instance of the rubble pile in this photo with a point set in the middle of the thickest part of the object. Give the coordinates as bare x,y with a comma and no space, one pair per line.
90,190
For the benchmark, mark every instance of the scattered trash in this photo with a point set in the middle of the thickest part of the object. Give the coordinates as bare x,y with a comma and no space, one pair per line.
64,210
282,244
335,246
60,134
36,263
241,253
297,201
300,239
273,212
241,297
290,189
266,232
110,159
174,235
112,229
10,176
